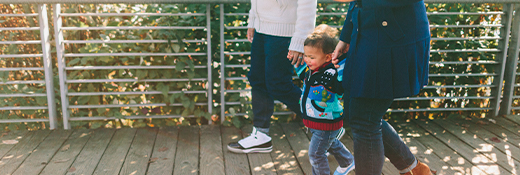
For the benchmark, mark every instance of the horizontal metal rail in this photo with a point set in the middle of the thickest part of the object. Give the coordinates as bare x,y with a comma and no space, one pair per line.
136,28
131,54
19,14
21,42
129,105
19,28
23,95
132,14
133,80
437,109
21,55
23,82
127,67
23,107
22,69
133,93
126,41
23,120
128,117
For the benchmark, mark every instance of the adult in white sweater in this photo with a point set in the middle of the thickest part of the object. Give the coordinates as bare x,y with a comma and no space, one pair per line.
277,30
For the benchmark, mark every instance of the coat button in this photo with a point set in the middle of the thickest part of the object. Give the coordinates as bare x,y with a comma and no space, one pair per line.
384,23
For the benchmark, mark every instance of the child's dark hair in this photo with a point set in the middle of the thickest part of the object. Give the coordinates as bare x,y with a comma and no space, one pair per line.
323,37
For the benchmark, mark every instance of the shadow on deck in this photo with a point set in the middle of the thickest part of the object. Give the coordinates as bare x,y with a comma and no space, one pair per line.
448,146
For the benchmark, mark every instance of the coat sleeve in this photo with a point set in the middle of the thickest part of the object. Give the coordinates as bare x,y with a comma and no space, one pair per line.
346,32
251,19
386,3
301,70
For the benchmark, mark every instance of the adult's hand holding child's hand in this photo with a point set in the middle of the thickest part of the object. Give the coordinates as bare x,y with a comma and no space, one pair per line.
295,57
341,48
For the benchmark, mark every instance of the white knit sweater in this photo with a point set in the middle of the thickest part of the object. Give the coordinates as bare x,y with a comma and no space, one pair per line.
287,18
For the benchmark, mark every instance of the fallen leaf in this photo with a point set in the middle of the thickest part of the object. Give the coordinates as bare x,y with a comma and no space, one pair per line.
152,160
61,160
482,122
434,172
492,121
65,148
162,149
9,142
44,163
72,169
165,159
292,135
495,139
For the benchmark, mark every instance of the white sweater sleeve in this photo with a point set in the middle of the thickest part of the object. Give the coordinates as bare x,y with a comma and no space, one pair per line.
305,22
251,19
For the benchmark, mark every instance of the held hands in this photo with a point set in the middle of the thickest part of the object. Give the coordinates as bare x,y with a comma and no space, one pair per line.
250,34
295,57
341,48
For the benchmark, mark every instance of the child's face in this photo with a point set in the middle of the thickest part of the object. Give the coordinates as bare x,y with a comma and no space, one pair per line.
314,57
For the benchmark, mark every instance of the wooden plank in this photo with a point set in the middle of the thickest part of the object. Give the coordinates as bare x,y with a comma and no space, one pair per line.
481,132
235,164
480,146
261,163
480,160
283,158
513,118
211,156
507,124
163,156
67,153
15,157
187,160
9,137
138,156
91,153
422,153
457,162
500,132
43,153
299,141
116,152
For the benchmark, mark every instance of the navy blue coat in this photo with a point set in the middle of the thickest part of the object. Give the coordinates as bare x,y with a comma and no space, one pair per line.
389,48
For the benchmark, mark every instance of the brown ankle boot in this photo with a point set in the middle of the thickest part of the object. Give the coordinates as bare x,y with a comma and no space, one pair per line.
420,169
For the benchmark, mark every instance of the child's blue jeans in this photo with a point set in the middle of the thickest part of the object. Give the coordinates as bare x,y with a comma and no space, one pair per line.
322,141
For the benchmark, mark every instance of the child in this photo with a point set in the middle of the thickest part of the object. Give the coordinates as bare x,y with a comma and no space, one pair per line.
320,102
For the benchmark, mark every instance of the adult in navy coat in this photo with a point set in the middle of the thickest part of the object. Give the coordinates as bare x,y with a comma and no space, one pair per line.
387,43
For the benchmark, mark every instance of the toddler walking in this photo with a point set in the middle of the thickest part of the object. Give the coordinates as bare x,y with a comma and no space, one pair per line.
320,102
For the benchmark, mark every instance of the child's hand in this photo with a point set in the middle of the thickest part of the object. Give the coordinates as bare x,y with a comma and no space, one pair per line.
341,48
295,57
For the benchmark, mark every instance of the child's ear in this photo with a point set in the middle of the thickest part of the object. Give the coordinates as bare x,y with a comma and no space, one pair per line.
328,57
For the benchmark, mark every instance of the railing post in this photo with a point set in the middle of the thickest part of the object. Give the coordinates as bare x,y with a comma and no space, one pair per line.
222,68
210,61
502,56
58,36
47,63
511,66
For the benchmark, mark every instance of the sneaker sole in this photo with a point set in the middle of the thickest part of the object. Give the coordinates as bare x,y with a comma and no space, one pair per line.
251,150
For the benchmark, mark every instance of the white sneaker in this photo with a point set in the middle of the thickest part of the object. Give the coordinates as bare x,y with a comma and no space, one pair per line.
257,142
345,171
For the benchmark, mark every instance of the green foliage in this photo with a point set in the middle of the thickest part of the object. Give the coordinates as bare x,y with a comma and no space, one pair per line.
181,98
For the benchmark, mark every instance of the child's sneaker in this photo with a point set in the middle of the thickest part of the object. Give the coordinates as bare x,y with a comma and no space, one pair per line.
345,171
340,135
257,142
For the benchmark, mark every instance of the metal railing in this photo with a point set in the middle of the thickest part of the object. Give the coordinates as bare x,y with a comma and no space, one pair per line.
45,56
232,35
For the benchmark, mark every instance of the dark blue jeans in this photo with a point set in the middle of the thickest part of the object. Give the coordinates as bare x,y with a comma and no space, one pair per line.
270,77
374,138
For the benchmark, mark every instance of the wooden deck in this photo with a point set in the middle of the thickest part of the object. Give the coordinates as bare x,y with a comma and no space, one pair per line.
448,146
